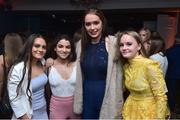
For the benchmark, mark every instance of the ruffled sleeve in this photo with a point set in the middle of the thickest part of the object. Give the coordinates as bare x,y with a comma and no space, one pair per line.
158,87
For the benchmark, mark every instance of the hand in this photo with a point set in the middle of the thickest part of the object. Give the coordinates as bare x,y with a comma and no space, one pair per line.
24,117
49,62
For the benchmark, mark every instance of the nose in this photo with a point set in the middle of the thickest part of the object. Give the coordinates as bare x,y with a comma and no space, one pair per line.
64,49
124,47
92,26
41,49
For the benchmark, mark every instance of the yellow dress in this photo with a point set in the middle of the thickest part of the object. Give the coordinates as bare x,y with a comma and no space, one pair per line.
145,82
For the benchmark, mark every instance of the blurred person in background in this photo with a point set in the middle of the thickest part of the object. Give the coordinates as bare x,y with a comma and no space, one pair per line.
12,43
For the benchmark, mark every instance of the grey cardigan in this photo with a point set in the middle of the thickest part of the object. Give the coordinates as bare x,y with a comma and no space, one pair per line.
113,98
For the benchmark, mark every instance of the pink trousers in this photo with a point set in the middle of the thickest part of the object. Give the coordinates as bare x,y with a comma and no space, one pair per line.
62,108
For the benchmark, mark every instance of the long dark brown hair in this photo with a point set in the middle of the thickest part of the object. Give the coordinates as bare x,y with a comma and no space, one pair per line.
26,57
157,45
86,39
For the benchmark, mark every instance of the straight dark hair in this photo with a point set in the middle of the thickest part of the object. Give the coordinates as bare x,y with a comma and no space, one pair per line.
86,39
157,45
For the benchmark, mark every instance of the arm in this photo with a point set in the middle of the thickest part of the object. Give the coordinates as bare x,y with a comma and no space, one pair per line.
1,75
158,87
16,102
78,98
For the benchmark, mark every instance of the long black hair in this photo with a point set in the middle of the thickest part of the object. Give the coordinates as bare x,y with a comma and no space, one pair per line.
26,57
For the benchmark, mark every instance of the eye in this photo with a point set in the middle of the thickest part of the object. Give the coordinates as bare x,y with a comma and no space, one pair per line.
96,22
143,34
121,44
68,47
36,45
60,46
44,46
39,46
129,44
87,24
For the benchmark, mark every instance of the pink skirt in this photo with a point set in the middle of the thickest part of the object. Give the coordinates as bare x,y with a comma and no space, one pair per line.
62,108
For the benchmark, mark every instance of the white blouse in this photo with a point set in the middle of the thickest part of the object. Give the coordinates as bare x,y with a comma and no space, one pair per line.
162,60
59,86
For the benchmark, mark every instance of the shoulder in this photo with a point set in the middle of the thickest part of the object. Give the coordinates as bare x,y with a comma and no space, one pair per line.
148,61
173,49
17,69
111,39
19,65
151,64
110,42
156,57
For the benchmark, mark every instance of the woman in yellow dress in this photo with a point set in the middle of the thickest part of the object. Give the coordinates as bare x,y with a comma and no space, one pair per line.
143,78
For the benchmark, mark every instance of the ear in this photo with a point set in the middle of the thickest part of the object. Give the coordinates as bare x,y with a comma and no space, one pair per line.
55,49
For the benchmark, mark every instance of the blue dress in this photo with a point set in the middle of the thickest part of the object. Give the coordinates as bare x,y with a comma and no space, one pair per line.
173,77
38,99
94,70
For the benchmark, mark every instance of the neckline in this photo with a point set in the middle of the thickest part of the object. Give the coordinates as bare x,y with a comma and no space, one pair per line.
96,43
135,58
42,74
63,79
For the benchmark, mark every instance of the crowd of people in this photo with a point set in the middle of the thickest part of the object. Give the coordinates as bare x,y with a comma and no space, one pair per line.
93,75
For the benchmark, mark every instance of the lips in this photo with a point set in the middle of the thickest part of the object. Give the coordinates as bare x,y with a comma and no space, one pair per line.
125,53
64,54
93,33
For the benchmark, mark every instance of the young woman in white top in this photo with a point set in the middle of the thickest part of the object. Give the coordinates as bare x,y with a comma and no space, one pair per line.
12,45
62,79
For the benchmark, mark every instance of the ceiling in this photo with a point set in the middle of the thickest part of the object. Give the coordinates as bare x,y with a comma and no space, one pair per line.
104,4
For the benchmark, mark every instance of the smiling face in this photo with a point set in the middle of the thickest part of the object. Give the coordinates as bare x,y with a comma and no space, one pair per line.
93,26
39,48
63,49
129,47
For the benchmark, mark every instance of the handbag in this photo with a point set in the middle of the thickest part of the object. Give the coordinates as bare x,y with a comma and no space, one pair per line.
5,108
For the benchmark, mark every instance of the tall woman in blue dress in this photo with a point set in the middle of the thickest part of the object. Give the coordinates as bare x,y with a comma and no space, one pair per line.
27,79
98,91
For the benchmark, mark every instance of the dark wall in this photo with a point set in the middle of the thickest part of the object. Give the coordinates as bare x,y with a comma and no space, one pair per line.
14,22
53,22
